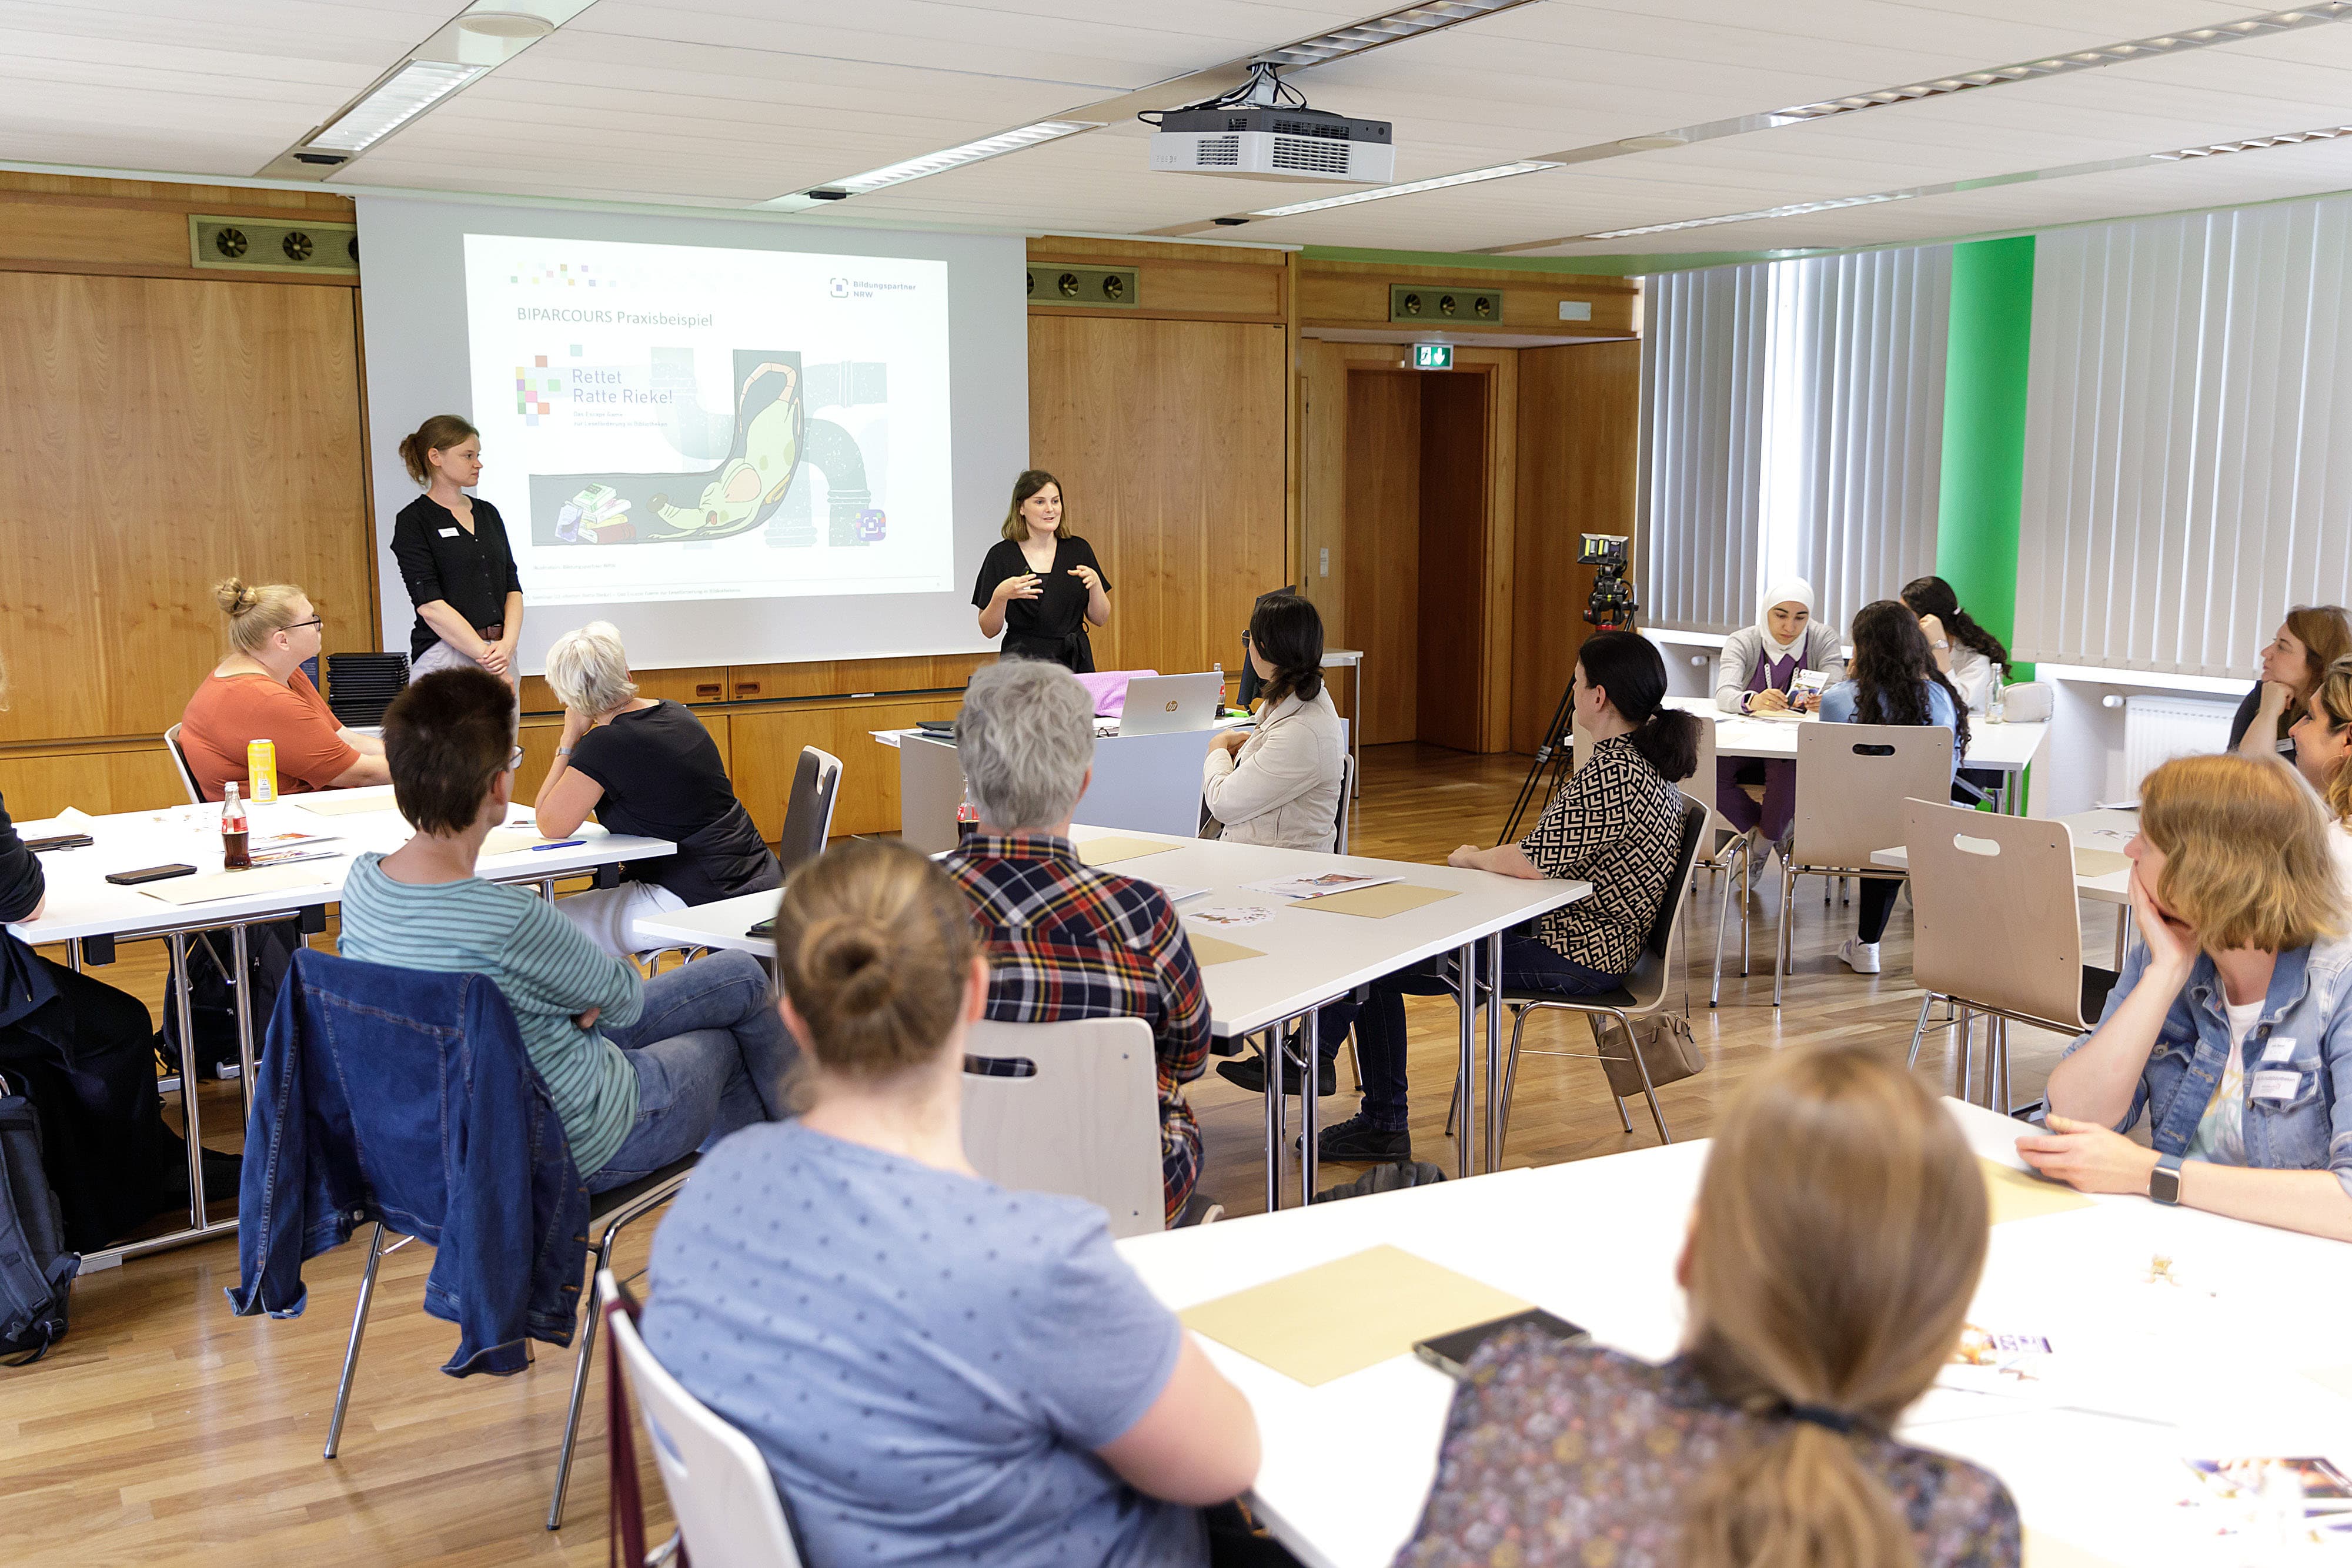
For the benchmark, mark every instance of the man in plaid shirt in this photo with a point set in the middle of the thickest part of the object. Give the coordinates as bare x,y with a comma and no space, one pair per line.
1065,940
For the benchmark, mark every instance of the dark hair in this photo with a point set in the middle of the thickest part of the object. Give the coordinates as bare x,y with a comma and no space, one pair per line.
1032,480
1288,631
1933,596
873,946
1626,665
445,739
439,434
1892,667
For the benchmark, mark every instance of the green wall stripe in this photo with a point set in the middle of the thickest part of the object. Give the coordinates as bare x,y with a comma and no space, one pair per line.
1991,343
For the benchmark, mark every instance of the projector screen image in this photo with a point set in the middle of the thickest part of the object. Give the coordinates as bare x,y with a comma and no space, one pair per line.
693,423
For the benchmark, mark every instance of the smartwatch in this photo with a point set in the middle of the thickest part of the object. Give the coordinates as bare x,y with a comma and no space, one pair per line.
2164,1181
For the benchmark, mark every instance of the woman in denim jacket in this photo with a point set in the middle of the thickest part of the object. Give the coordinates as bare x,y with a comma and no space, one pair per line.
2232,1024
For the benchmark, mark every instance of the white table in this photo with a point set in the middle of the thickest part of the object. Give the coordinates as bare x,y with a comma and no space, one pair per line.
1348,1465
83,909
1310,957
2005,749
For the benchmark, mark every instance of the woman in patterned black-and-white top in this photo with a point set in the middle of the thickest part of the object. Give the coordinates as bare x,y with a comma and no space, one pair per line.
1616,823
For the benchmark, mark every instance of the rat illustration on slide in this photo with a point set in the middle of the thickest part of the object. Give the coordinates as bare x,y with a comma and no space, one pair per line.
773,436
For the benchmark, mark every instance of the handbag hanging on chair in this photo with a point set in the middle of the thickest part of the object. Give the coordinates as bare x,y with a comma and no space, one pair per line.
1668,1050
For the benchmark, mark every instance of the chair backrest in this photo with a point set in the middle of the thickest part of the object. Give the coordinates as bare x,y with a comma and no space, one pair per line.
1339,831
1994,915
1085,1120
808,811
1851,782
179,765
1580,747
1653,971
931,788
720,1488
1701,785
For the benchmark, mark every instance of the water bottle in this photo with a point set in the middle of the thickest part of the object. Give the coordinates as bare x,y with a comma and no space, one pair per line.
1993,699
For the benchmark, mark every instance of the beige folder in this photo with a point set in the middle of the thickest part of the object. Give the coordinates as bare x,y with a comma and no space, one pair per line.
1352,1313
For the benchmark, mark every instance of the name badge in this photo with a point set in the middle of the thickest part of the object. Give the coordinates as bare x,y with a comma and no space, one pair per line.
2279,1047
2286,746
2275,1086
449,533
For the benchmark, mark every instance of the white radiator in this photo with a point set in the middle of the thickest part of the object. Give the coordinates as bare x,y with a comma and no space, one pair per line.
2157,729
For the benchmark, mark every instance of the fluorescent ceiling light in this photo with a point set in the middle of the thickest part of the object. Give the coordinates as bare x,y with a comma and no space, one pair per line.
987,147
1793,209
2253,143
1408,22
1471,177
401,98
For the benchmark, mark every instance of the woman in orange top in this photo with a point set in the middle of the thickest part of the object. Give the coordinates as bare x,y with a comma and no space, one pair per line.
259,693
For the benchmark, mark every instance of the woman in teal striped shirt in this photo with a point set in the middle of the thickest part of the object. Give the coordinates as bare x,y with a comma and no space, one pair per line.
642,1073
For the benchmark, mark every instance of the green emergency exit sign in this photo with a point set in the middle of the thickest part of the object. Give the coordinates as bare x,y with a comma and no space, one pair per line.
1432,356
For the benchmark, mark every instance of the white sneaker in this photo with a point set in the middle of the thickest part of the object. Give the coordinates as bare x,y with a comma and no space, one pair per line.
1859,955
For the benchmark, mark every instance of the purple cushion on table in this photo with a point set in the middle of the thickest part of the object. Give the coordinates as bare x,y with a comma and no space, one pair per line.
1108,689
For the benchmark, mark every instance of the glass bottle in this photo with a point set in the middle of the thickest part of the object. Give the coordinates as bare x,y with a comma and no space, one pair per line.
236,854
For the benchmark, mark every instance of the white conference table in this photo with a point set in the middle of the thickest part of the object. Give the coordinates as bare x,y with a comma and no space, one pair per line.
1308,957
89,913
2157,1371
2005,749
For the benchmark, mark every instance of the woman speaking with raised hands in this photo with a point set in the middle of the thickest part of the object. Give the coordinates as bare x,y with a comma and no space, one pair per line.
454,555
1040,586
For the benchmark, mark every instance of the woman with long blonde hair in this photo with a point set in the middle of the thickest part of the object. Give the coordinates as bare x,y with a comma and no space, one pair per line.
2323,752
1840,1229
2232,1024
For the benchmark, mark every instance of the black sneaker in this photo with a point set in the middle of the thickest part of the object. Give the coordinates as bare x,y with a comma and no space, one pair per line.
1249,1071
1356,1139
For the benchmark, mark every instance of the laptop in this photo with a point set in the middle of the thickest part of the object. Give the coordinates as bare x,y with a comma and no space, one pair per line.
1169,705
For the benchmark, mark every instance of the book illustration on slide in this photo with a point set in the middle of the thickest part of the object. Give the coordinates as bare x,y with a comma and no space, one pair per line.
773,439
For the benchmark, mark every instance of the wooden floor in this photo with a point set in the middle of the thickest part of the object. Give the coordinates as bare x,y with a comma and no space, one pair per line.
164,1429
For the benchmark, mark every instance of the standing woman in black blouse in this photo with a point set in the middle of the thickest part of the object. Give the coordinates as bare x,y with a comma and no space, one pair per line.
1040,586
453,554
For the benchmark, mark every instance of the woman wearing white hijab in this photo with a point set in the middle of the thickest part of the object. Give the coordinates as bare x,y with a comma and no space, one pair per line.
1759,664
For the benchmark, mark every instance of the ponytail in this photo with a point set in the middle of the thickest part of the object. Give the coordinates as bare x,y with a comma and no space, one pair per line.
1668,741
1626,665
1933,596
1800,1499
439,433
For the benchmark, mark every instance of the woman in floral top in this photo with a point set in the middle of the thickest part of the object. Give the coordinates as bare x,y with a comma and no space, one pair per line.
1837,1241
1616,823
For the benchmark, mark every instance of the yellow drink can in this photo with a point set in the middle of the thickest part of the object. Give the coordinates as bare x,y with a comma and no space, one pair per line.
261,769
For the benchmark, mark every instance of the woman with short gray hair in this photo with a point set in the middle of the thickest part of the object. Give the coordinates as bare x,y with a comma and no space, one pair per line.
644,767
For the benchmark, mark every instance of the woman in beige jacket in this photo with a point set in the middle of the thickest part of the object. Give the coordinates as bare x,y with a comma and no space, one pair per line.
1280,784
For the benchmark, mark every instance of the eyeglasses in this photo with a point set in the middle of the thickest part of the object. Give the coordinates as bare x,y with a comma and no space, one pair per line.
314,620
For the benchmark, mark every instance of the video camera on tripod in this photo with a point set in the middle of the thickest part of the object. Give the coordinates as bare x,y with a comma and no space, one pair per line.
1613,600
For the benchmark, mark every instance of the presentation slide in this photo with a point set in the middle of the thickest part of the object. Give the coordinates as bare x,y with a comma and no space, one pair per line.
742,442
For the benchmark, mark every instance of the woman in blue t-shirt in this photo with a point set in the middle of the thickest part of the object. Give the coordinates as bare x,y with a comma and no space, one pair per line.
1894,680
934,1368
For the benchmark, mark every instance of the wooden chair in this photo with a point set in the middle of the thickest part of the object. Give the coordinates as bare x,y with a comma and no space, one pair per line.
1079,1114
808,809
1853,780
728,1512
1996,930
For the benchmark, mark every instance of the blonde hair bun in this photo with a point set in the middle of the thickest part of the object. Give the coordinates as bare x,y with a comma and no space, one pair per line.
233,597
873,946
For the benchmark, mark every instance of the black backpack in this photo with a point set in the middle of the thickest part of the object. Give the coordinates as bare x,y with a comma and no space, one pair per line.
36,1270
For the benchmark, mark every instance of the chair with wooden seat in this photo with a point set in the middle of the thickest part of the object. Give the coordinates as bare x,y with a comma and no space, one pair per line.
1996,929
1072,1108
1643,995
1853,780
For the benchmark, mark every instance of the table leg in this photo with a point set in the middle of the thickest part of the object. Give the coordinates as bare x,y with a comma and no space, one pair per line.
1465,1000
179,943
1494,1049
547,889
1271,1056
2122,934
1309,1112
236,940
73,955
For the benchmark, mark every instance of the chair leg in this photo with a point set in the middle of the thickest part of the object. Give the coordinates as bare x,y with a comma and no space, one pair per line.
1722,919
1996,1079
1747,892
1649,1091
1920,1029
1780,952
352,1351
1510,1082
591,1322
1601,1048
1355,1062
1967,1055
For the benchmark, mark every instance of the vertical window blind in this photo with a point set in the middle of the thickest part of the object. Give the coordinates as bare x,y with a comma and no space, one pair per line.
2189,438
1792,423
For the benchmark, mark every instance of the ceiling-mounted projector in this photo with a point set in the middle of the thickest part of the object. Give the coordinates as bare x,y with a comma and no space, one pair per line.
1265,130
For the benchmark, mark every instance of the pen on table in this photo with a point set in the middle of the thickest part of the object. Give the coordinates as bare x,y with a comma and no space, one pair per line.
563,844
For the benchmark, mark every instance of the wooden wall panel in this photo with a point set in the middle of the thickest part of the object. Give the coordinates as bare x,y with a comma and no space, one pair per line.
1384,546
1578,469
36,784
767,749
156,434
1198,282
1355,295
52,222
1448,668
1168,437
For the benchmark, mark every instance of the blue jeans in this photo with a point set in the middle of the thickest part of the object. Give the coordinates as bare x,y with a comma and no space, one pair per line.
712,1055
1527,965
